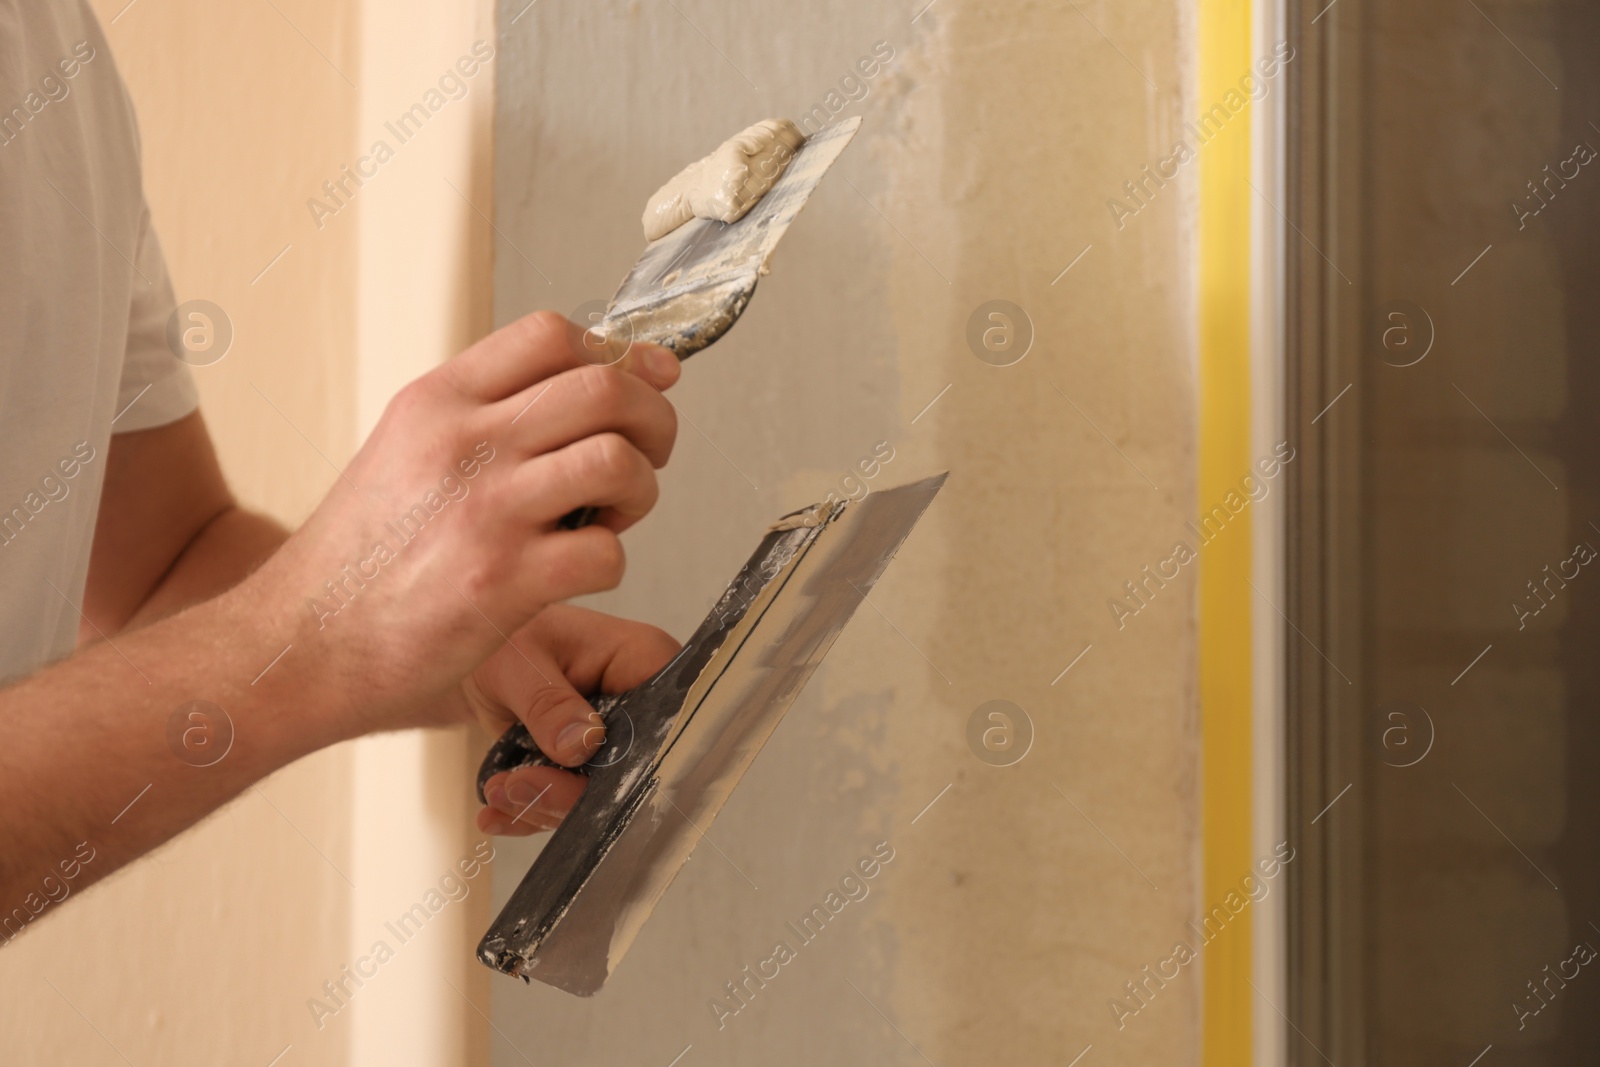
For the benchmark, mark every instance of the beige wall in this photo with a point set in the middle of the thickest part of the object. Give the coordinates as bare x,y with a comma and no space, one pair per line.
1006,921
207,951
424,294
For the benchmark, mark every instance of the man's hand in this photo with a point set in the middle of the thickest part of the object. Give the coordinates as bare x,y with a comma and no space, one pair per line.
537,678
442,538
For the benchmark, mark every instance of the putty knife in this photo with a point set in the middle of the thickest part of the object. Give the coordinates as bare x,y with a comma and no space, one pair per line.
690,286
678,744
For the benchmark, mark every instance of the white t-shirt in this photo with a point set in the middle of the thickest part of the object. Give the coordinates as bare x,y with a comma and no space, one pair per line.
84,303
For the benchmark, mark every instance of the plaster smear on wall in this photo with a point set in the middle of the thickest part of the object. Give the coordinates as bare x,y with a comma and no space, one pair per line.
1007,920
1013,874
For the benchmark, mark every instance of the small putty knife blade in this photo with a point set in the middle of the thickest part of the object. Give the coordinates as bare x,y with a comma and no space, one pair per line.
691,285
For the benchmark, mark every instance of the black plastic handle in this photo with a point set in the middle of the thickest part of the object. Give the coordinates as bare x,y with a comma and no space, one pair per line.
578,518
516,748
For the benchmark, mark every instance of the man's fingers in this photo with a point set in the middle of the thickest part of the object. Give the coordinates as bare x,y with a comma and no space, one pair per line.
537,679
529,800
599,651
532,348
529,683
490,821
603,471
539,346
588,400
572,563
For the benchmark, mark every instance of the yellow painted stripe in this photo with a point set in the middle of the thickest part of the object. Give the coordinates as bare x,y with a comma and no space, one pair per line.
1225,664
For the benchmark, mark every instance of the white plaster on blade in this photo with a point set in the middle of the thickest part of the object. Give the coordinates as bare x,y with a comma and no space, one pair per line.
727,183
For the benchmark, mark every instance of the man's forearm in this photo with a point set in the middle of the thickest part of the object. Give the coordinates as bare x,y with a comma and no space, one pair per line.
118,773
226,551
169,533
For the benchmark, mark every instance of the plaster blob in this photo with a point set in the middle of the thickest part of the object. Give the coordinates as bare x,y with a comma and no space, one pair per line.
727,183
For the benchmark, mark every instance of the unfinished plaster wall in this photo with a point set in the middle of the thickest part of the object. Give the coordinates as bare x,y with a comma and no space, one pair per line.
1020,902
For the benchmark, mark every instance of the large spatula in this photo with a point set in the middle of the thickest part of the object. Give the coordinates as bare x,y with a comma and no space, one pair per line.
678,744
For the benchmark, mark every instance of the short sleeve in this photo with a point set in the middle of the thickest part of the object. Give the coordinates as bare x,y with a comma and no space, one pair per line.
156,386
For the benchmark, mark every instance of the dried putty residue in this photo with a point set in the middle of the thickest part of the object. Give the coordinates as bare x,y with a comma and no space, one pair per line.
728,182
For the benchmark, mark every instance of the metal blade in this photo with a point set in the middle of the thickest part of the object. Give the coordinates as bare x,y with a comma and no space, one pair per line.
690,286
582,904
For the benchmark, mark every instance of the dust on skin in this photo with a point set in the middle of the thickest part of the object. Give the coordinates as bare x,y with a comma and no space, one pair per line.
727,183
